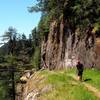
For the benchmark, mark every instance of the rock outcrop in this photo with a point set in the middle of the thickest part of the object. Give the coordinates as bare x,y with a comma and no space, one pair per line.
33,87
63,47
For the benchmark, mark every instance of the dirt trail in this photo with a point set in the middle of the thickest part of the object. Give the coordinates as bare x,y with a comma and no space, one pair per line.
90,88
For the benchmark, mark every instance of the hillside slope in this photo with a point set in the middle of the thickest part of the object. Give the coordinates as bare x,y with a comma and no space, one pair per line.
56,85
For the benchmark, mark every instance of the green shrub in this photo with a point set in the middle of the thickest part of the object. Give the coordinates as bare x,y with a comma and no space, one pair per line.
36,58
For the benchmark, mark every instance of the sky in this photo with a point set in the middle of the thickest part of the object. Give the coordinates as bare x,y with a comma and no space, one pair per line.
15,13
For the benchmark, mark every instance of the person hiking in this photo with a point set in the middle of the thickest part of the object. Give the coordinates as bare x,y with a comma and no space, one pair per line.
80,69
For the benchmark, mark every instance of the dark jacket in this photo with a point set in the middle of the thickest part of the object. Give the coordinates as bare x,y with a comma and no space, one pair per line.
80,67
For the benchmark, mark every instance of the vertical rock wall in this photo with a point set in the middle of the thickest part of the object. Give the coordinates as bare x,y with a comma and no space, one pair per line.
63,48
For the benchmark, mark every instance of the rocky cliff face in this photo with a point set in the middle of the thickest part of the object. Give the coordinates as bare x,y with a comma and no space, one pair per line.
53,47
62,48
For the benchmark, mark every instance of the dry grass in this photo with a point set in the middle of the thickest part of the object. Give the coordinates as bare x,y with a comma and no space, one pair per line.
36,82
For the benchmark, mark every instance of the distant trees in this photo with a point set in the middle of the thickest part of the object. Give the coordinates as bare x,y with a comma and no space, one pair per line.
11,37
20,51
36,57
10,34
23,36
35,37
18,45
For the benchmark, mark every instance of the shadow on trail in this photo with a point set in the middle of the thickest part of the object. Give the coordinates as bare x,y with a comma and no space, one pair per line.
88,79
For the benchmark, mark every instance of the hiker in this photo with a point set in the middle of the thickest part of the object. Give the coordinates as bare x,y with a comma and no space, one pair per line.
80,68
92,66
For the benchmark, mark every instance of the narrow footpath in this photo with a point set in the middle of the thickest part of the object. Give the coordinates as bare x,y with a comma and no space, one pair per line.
89,87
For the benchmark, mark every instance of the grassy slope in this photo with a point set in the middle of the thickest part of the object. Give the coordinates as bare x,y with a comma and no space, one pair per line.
93,76
65,88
